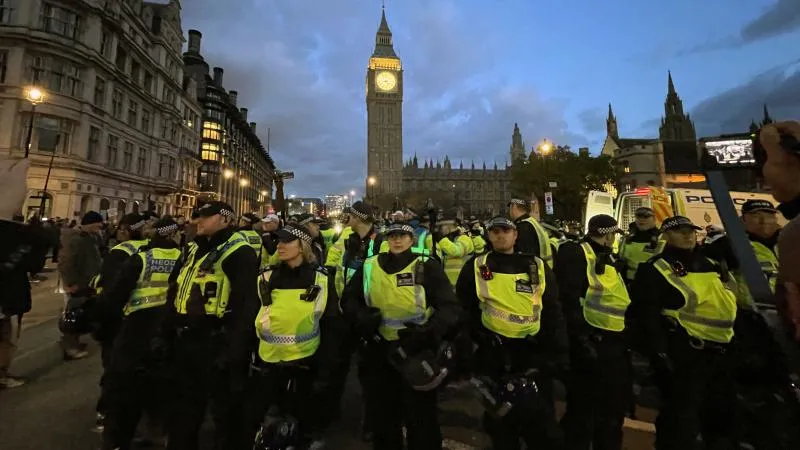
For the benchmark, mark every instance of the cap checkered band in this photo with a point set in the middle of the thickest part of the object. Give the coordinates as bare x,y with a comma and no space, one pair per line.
138,225
606,230
306,221
225,212
299,234
518,201
359,214
167,230
400,228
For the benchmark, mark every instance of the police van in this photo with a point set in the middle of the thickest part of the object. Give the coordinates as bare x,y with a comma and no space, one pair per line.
696,204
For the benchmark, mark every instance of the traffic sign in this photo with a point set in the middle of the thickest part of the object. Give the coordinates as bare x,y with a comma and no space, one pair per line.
548,203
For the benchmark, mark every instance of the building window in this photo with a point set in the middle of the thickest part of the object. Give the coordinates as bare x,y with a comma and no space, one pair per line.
162,166
211,134
626,168
136,71
141,161
146,120
113,146
57,74
5,12
3,65
148,82
127,157
172,168
122,58
627,188
133,113
105,43
58,20
100,92
210,152
51,134
93,149
116,103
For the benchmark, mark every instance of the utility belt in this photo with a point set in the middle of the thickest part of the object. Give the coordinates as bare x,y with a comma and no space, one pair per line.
260,367
494,351
679,334
598,335
199,327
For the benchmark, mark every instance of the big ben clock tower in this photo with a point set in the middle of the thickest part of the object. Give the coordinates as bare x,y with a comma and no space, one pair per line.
384,116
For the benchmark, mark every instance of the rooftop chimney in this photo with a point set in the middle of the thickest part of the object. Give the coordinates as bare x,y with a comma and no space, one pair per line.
244,114
233,96
253,127
218,72
194,41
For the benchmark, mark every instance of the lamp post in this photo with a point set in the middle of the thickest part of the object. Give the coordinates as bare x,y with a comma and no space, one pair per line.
545,148
371,181
243,183
43,202
35,96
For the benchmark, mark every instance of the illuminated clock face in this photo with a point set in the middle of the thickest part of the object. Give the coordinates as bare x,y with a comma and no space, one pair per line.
386,81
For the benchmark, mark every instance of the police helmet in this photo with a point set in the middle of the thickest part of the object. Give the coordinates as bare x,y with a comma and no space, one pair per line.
508,394
75,321
278,433
424,370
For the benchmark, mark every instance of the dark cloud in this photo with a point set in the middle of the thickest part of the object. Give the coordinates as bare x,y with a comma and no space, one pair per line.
593,120
732,110
299,67
783,17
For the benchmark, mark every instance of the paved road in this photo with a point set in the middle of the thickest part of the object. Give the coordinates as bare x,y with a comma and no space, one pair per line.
55,410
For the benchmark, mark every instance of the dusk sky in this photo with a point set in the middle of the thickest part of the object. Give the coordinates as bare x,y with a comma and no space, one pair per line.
475,67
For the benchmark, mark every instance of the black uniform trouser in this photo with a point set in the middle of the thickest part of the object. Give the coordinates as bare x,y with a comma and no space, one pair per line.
535,425
128,395
391,403
199,383
267,388
106,352
698,398
598,394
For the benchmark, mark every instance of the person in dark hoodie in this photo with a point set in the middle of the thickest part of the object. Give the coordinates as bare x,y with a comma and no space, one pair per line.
137,300
683,309
209,330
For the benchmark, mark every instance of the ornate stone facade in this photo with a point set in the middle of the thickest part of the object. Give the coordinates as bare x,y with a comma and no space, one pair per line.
389,181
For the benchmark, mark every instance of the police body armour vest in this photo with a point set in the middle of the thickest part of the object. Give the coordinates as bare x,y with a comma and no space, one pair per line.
511,303
151,287
208,277
288,327
128,247
349,265
400,296
635,253
606,300
545,252
253,240
769,266
710,309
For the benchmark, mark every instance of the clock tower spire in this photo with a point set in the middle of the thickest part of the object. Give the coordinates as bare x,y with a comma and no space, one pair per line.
384,116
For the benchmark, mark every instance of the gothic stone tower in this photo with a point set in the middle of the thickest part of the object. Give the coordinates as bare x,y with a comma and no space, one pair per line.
675,125
384,115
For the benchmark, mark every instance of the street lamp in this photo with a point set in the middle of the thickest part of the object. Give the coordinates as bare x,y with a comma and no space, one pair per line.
545,147
228,174
371,182
35,96
243,182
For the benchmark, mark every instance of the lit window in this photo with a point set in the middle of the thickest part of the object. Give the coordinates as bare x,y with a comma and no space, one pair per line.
211,134
209,156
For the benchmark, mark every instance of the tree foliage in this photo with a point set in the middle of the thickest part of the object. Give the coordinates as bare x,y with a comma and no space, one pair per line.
575,175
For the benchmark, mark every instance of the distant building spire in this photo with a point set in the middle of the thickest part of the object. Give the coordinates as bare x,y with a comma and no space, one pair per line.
675,125
517,149
612,129
767,119
384,47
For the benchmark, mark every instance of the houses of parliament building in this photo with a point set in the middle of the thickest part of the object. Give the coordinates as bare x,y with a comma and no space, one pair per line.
476,190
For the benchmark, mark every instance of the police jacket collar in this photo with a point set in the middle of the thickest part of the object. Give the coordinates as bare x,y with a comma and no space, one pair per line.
392,263
160,242
692,260
218,238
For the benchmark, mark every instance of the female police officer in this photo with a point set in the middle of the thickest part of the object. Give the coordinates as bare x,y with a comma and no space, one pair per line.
298,337
407,300
684,307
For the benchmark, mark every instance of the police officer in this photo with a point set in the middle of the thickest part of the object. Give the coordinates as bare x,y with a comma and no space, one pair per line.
533,239
511,305
453,247
642,244
312,223
209,326
595,300
684,308
269,240
248,224
129,236
477,233
137,298
299,330
406,300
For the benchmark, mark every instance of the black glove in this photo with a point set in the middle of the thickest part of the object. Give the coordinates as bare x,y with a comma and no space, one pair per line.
437,236
454,235
368,320
414,338
663,364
